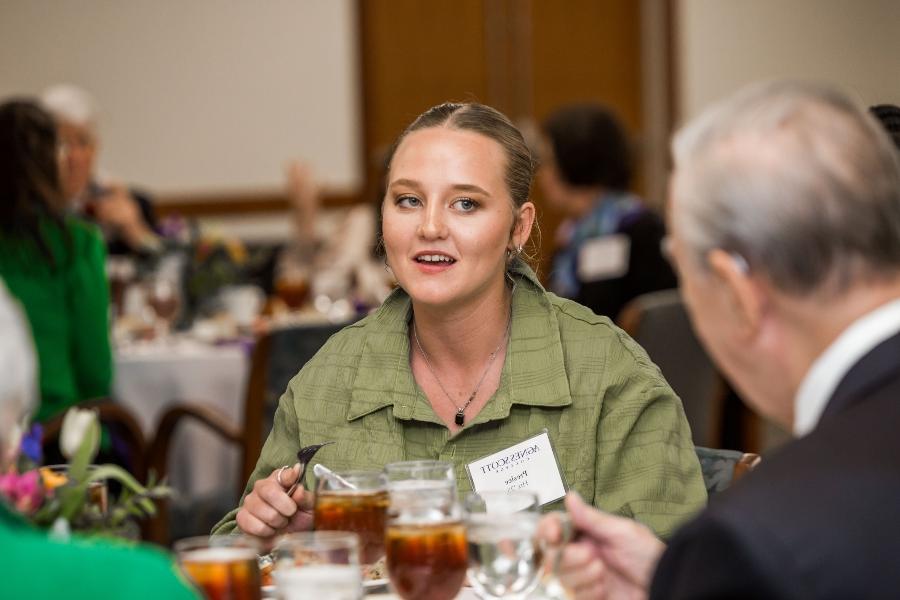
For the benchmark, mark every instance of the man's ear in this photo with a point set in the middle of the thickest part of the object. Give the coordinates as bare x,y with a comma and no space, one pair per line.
742,292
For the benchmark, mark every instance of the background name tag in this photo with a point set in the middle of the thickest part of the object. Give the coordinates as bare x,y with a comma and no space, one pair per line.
605,257
529,465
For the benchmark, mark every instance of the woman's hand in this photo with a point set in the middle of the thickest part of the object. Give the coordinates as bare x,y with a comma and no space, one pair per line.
268,510
612,557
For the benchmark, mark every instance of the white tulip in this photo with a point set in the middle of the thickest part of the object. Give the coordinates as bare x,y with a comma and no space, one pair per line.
74,427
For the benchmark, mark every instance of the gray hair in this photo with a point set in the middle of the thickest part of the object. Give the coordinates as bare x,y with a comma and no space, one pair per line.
797,180
17,379
70,103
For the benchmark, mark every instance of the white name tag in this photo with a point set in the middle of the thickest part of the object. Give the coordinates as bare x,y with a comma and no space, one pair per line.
605,257
529,465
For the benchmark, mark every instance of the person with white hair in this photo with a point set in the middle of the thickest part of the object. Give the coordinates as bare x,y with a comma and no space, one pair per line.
35,565
785,220
125,215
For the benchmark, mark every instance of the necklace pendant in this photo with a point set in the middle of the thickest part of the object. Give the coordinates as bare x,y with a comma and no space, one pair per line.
460,417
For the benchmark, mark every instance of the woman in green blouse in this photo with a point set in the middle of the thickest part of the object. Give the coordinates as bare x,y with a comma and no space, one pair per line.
470,355
52,263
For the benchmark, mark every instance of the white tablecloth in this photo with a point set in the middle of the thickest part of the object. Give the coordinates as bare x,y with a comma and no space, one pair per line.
150,377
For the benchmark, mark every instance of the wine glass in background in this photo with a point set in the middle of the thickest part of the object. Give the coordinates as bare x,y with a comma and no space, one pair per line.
163,297
223,567
318,564
354,501
121,272
425,538
504,555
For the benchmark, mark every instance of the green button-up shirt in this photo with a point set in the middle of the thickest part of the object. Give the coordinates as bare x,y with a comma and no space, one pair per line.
618,429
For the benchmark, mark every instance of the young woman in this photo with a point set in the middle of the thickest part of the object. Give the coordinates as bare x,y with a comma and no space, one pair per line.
470,355
53,264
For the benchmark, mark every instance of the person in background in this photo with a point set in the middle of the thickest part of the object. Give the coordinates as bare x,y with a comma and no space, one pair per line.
125,215
470,355
53,263
35,565
785,221
332,248
889,117
608,246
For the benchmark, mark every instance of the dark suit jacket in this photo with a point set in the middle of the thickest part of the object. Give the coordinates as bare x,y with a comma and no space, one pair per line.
818,519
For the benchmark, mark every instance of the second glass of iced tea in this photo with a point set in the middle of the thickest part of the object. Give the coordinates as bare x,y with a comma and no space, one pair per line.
223,567
426,540
354,501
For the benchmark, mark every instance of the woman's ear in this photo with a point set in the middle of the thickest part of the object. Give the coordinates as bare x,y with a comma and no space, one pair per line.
524,222
742,291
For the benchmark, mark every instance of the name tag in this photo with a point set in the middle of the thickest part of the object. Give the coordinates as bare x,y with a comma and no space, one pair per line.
530,465
605,257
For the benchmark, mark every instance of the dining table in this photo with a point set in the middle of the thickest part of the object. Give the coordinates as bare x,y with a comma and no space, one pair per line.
151,376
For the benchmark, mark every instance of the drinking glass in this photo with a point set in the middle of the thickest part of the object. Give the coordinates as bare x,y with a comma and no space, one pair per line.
423,470
292,284
163,297
97,491
319,564
425,539
223,567
354,501
504,554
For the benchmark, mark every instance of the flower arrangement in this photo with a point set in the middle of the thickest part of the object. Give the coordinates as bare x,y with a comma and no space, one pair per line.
215,261
74,497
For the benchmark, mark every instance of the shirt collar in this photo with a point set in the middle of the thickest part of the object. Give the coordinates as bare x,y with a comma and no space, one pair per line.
384,378
835,362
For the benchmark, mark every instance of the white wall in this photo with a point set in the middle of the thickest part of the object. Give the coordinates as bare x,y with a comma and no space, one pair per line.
204,96
724,44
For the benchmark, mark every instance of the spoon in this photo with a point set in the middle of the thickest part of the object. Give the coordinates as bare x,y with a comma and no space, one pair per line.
321,470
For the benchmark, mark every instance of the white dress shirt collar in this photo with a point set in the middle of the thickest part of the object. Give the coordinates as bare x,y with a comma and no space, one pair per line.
841,355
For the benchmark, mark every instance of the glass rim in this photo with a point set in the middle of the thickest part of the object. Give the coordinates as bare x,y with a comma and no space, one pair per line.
485,498
430,463
197,542
321,538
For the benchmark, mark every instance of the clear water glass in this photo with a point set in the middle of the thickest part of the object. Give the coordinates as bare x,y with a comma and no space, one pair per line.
505,557
324,561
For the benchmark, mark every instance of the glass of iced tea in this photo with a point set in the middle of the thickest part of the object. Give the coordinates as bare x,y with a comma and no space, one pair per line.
354,501
425,540
223,567
318,564
420,470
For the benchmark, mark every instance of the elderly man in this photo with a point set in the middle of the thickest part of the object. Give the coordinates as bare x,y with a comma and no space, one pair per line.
785,221
125,215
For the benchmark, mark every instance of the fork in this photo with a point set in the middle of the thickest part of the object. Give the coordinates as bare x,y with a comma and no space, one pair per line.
304,455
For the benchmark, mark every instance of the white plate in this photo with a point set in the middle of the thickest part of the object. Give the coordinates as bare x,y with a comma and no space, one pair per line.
373,585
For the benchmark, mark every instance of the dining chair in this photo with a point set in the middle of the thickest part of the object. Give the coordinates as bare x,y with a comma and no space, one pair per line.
659,322
277,356
721,468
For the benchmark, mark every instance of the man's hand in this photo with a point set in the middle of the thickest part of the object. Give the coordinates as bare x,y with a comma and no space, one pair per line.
611,557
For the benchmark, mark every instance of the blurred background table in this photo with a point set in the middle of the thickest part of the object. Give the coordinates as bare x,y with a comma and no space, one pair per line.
150,376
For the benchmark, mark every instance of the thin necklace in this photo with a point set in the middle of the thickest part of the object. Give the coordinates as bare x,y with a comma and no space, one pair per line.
460,417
